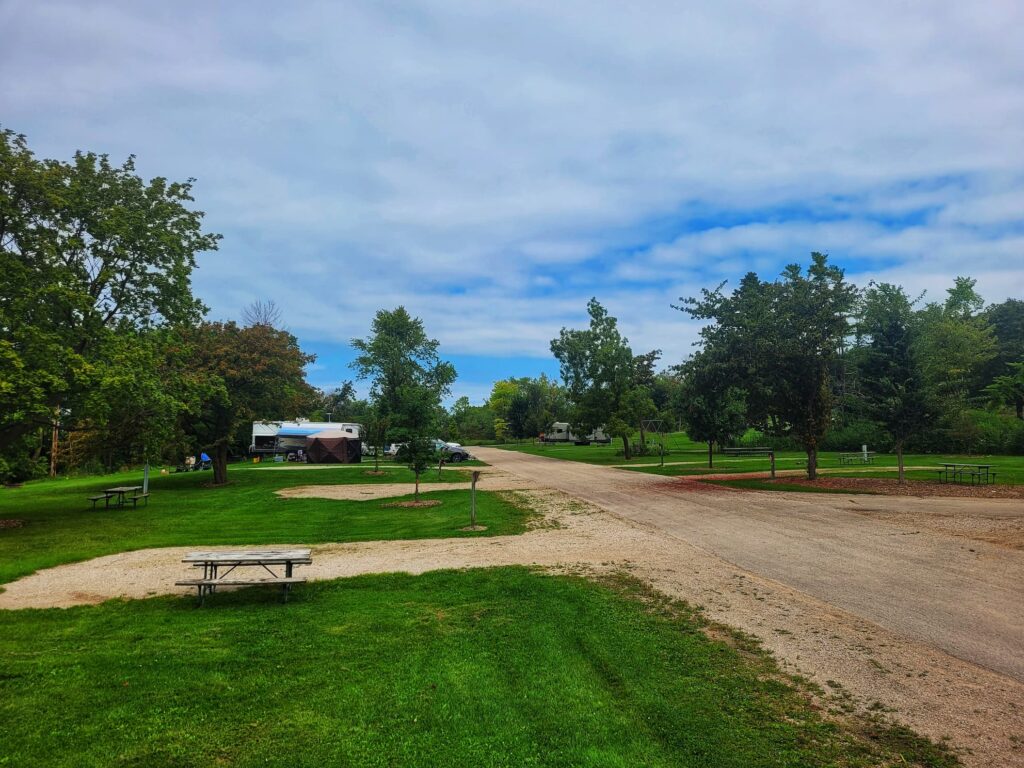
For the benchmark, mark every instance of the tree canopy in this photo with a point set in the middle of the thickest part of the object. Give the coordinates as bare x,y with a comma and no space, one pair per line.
780,341
88,250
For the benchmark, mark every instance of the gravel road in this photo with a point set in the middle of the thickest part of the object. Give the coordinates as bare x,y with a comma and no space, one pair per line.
955,593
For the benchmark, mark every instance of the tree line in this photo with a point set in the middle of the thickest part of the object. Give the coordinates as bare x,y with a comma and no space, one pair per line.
806,361
107,358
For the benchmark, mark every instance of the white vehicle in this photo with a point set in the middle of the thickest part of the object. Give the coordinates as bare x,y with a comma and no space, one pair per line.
272,437
560,433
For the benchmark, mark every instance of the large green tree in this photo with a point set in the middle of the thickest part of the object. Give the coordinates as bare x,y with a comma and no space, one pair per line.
1008,389
599,371
957,344
1003,372
408,381
528,406
243,375
712,406
891,371
471,422
88,250
398,353
782,341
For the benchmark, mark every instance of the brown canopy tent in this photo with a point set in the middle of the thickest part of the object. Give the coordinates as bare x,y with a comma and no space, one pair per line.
332,446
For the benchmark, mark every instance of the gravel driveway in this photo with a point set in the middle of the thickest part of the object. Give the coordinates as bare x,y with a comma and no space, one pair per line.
961,595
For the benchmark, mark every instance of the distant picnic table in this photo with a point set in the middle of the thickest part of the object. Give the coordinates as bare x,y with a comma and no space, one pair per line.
975,474
120,496
857,457
212,562
747,451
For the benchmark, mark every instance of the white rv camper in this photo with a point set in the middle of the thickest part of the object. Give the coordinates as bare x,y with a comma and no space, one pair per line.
560,433
272,437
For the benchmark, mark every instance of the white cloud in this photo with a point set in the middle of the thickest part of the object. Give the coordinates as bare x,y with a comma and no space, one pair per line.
493,166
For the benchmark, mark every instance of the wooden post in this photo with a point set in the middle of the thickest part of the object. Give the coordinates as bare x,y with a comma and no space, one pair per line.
54,442
771,458
472,499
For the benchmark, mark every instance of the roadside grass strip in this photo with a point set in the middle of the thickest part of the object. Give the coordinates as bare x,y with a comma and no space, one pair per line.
688,458
488,667
56,525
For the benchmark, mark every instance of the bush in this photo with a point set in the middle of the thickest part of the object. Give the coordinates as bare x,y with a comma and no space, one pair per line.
851,436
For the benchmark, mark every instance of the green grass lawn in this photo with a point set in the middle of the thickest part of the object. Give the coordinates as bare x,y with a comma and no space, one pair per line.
60,527
680,447
498,667
1009,469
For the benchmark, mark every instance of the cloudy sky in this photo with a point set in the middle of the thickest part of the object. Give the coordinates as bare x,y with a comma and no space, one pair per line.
492,166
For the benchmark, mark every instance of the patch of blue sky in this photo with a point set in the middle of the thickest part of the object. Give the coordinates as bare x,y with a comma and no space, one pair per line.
476,373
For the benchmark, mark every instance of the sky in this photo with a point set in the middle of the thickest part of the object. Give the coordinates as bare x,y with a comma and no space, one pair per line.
492,166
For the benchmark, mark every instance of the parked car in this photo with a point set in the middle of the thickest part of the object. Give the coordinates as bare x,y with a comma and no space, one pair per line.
452,451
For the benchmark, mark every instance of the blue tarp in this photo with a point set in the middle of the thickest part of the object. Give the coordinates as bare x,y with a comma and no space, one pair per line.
298,431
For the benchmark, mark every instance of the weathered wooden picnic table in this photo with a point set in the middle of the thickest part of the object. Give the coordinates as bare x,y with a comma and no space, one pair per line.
213,562
975,474
757,451
857,457
120,495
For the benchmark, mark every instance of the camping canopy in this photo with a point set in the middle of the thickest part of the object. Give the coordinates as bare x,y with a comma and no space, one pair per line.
333,446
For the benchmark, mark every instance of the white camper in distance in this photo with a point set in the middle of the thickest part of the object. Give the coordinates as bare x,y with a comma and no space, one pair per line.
271,437
560,433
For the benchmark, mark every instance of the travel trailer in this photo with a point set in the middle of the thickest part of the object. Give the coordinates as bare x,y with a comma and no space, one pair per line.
274,437
560,433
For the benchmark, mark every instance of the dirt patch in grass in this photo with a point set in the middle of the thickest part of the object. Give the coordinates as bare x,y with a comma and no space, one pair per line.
11,523
491,481
375,473
886,486
412,504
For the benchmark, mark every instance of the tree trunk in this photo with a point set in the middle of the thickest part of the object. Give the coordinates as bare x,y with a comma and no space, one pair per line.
711,454
625,448
416,495
899,462
220,464
54,441
812,463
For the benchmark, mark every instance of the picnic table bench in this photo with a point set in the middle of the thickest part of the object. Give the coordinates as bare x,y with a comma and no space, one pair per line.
120,493
975,474
857,457
212,562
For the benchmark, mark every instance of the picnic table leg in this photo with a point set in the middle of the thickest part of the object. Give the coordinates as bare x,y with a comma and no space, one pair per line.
288,570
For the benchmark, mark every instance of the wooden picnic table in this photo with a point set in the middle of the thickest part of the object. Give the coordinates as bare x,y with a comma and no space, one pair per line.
120,492
212,562
857,457
955,472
